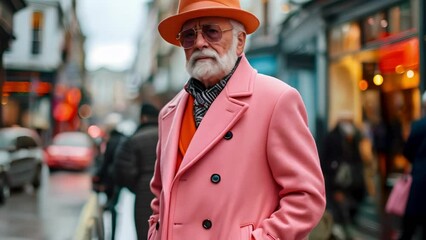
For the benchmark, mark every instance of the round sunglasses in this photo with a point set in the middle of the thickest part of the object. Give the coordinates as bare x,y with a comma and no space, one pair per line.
211,32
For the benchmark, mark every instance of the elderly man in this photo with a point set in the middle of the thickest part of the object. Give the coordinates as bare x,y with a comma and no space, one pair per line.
235,157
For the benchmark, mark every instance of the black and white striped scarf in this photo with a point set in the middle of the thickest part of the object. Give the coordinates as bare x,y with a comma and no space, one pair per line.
203,98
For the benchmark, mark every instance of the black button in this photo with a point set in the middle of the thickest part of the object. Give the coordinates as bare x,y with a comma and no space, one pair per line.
228,135
215,178
157,225
207,224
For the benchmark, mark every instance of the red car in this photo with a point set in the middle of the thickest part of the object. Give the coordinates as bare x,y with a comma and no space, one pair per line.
71,150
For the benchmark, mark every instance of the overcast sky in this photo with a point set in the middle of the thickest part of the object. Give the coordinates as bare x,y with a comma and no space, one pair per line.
111,28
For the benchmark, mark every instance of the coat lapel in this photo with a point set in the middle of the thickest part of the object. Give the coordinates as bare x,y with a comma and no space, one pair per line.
222,115
172,121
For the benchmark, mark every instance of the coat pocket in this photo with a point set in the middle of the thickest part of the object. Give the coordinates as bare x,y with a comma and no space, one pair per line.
245,232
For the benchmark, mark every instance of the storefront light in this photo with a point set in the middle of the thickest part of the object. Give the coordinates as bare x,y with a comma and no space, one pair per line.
63,112
399,69
73,96
85,111
346,28
4,99
94,131
378,79
410,73
363,85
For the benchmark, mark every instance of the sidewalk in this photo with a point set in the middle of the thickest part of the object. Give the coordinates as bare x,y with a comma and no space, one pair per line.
125,218
90,224
368,220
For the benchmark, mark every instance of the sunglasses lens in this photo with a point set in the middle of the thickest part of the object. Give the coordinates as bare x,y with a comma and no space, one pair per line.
187,38
213,33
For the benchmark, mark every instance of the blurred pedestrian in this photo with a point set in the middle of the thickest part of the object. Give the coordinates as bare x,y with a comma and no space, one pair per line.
415,152
104,177
134,166
344,174
235,158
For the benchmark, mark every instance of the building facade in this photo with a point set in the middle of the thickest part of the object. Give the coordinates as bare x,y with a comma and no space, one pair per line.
374,71
7,10
367,58
44,68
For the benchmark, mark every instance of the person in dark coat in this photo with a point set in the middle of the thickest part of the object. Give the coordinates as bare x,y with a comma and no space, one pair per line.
415,152
105,179
342,166
135,162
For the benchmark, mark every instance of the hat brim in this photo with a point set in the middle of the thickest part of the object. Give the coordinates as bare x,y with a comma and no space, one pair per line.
170,27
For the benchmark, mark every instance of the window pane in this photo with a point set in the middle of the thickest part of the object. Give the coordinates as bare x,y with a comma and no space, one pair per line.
37,21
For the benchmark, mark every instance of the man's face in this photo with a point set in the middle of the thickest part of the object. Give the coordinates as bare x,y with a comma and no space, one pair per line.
210,61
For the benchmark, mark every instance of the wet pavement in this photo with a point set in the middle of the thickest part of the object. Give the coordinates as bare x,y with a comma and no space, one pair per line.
125,220
51,213
54,211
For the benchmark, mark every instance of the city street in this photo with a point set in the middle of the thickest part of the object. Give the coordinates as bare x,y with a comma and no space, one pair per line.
52,213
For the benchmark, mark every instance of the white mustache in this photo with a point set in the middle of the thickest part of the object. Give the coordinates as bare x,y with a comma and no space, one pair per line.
203,54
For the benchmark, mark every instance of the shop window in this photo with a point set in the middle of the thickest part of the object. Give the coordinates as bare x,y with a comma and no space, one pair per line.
370,76
345,38
37,31
375,27
400,18
393,22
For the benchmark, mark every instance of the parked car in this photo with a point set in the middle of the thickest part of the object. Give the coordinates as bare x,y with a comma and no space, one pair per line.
71,150
4,186
21,158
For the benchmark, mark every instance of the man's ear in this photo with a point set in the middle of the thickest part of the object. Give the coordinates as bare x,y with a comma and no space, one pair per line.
241,42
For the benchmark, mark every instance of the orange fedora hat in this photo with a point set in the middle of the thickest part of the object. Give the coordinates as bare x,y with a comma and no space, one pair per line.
170,27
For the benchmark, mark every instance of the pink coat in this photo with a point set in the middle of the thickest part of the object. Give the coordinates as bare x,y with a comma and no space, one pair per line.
251,171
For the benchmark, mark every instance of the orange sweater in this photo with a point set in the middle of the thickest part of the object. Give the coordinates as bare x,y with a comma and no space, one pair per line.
187,131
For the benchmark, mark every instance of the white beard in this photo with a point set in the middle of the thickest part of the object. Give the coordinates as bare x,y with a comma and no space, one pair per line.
217,67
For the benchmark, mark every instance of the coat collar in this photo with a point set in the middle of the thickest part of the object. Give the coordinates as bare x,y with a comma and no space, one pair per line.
222,115
242,81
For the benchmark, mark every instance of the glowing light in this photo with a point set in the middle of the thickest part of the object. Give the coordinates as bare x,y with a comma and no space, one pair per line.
410,73
363,85
85,111
40,88
346,28
62,112
94,131
399,69
5,99
73,96
378,79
